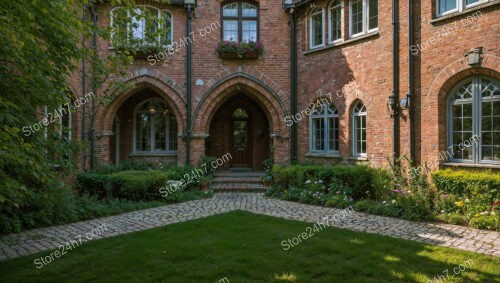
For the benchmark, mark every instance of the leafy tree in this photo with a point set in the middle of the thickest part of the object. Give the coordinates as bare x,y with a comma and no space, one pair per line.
43,44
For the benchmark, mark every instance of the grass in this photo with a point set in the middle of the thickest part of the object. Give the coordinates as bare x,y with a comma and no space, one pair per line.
245,247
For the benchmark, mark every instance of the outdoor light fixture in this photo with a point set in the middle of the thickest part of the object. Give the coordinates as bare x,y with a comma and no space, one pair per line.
287,4
391,105
152,110
405,102
192,2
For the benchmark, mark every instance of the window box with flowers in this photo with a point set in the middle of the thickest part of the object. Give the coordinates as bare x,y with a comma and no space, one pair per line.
239,50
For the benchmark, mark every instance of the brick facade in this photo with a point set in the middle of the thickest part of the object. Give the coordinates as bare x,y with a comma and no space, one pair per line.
351,70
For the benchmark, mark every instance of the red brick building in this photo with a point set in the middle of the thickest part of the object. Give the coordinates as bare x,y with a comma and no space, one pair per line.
426,87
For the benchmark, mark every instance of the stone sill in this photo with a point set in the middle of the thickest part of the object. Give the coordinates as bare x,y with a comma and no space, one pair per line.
342,43
472,165
438,20
159,154
359,158
323,155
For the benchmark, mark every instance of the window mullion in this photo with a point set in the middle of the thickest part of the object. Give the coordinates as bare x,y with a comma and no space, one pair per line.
325,133
167,133
476,118
152,134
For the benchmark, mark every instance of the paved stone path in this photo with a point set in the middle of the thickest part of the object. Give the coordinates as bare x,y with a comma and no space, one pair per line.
32,241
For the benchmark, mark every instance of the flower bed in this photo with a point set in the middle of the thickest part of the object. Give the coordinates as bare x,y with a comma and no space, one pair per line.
465,198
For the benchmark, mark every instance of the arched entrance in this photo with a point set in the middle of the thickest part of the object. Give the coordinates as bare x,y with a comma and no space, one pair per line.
240,128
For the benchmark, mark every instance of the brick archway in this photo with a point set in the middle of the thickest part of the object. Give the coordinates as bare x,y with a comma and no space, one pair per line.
160,84
143,79
271,104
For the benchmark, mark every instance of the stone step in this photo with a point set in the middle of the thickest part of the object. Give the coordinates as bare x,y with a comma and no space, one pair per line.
234,179
240,174
237,187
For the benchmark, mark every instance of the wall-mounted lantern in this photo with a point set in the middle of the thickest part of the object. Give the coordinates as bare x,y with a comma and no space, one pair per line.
287,4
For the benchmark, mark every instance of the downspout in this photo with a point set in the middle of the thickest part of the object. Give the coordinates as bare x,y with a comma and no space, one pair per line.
91,132
293,36
410,81
188,87
395,78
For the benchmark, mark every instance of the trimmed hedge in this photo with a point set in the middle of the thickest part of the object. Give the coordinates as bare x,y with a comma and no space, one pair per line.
468,184
132,184
358,178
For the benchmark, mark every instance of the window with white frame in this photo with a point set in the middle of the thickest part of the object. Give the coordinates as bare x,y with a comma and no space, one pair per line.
65,121
155,127
240,22
335,21
324,124
474,121
450,6
359,129
363,16
316,28
142,25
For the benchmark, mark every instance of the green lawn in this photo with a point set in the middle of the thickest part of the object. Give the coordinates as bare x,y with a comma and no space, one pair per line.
245,247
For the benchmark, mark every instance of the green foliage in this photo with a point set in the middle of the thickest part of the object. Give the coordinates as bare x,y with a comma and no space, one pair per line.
137,185
357,178
240,48
468,184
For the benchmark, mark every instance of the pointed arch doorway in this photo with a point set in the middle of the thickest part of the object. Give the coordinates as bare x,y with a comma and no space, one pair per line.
241,128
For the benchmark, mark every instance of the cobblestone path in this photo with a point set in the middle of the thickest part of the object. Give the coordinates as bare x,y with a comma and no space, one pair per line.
32,241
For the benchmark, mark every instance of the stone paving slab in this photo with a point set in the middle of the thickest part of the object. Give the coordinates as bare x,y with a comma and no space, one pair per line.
447,235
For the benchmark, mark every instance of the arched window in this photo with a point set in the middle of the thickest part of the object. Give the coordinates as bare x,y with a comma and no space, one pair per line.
155,127
474,121
240,22
324,124
316,28
359,129
141,25
335,21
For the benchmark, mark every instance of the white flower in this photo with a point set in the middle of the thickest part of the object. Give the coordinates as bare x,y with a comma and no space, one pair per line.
320,181
393,201
492,213
384,201
408,191
367,192
467,200
442,211
308,181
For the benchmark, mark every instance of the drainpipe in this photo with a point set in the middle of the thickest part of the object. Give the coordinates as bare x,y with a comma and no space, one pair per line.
293,35
92,131
395,78
188,86
411,84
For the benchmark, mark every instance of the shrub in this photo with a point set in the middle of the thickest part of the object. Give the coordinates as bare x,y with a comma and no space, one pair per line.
92,184
137,185
358,178
468,184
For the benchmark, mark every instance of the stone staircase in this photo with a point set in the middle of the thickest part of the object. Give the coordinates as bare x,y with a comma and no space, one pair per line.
238,181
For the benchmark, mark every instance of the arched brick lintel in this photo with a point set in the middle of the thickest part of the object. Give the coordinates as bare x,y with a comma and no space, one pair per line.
220,92
155,83
454,73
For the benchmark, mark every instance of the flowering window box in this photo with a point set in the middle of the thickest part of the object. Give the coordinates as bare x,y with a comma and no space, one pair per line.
239,50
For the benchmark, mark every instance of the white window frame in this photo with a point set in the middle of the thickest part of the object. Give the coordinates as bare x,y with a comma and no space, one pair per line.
70,123
160,13
354,133
461,6
313,13
477,115
365,16
152,133
330,26
326,135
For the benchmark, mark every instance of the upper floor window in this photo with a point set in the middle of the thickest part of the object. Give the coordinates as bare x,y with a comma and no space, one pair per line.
141,25
363,16
359,129
324,129
450,6
155,127
240,22
316,28
474,121
335,21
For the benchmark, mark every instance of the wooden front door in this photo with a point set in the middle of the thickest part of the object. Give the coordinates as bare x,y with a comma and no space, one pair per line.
240,140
